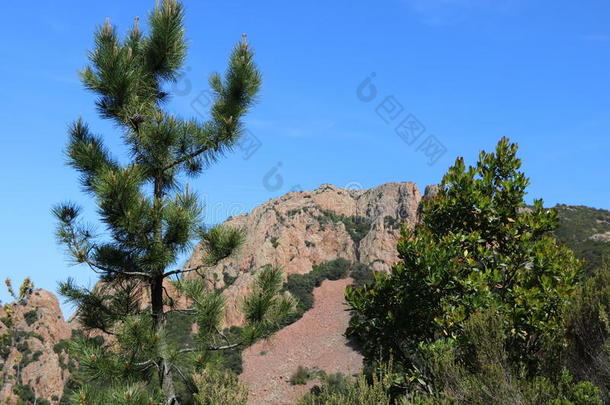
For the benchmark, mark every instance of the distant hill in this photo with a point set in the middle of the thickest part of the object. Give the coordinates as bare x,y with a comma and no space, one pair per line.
585,230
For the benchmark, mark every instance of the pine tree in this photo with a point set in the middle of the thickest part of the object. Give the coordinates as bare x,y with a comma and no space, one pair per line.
149,215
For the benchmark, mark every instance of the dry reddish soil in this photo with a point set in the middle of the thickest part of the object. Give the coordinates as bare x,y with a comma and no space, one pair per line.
314,341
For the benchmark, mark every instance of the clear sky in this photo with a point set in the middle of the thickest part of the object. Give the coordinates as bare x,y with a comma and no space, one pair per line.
469,71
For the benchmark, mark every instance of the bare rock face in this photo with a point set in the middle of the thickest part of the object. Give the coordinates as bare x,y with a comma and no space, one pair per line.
302,229
30,360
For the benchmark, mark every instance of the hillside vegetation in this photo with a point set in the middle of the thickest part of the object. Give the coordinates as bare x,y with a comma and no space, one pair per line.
586,231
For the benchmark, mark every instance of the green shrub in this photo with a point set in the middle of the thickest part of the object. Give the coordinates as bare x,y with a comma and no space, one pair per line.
5,345
228,279
24,393
301,376
31,317
61,346
490,377
356,227
216,387
361,274
476,248
301,286
337,390
587,322
274,242
391,223
6,321
23,347
337,382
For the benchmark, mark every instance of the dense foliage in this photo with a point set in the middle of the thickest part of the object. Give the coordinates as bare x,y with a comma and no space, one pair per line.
477,248
475,309
488,377
587,330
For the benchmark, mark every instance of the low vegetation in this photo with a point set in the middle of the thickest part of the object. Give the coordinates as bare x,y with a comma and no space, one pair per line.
216,387
357,227
31,317
301,286
302,376
579,228
340,390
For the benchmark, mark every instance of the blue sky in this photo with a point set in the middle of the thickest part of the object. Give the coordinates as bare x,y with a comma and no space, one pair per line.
469,71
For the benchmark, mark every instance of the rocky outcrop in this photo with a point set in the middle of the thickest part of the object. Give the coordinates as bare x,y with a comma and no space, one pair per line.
306,228
29,360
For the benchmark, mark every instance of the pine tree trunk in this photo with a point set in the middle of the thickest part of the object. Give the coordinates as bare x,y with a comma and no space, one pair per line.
165,372
156,295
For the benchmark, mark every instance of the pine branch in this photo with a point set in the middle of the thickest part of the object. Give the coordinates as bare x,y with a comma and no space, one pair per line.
99,269
187,157
166,48
211,348
183,271
87,154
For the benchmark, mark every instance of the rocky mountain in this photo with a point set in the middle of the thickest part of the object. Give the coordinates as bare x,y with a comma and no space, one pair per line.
306,228
33,365
298,232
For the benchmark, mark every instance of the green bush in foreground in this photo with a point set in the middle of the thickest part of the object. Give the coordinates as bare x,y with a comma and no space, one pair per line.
353,393
587,323
215,387
477,248
489,378
301,376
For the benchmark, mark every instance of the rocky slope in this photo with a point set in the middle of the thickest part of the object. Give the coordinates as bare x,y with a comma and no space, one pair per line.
302,229
30,367
315,341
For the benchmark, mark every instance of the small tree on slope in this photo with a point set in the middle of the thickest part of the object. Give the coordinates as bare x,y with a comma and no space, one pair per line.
149,217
